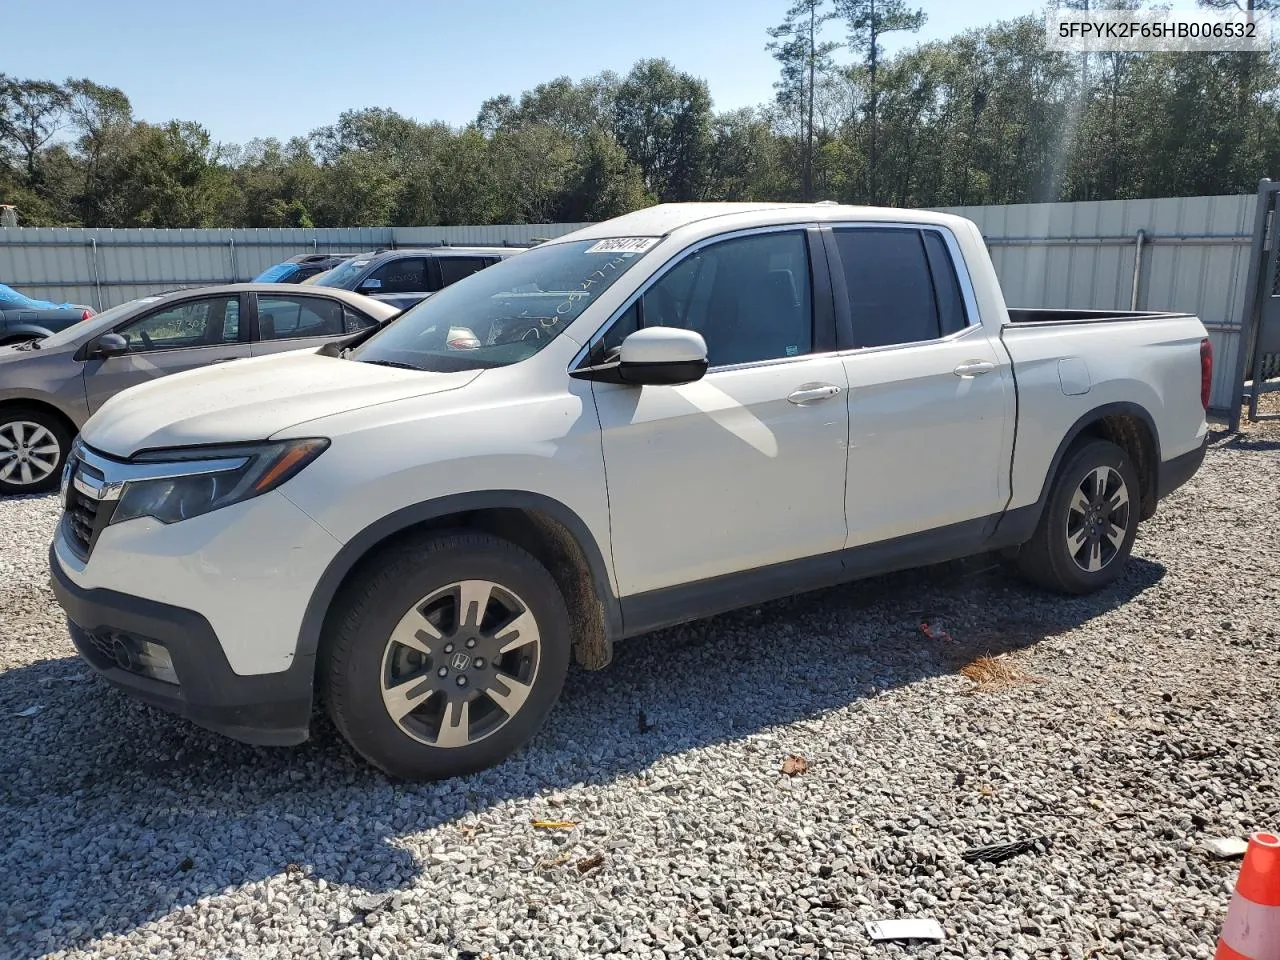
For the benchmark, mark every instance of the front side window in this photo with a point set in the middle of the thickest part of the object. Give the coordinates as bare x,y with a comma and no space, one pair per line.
285,318
344,275
194,323
402,275
894,295
750,298
509,311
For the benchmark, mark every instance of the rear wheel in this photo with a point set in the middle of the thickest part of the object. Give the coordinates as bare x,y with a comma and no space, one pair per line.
33,448
446,655
1087,530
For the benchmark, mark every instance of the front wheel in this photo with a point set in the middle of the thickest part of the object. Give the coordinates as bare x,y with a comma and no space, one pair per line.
446,655
1086,532
33,448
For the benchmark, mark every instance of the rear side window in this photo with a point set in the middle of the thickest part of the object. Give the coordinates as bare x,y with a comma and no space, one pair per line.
288,317
902,286
946,286
453,269
355,321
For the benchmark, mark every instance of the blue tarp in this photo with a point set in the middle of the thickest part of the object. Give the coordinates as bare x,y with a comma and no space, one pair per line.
277,274
13,300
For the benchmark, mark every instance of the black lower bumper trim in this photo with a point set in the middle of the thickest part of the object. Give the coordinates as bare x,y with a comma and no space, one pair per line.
271,709
1174,473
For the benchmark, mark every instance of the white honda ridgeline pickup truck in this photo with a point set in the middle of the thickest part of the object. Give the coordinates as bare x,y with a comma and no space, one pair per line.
678,412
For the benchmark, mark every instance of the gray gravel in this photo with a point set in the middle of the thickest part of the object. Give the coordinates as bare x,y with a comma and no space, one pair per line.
1144,723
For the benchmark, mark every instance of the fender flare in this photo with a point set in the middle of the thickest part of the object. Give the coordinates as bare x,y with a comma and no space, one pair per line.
1017,525
355,549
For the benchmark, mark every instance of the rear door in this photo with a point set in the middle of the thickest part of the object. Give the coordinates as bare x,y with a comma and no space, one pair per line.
178,336
931,397
296,321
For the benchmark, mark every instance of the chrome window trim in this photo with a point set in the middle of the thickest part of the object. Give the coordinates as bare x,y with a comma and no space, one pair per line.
973,319
116,474
799,226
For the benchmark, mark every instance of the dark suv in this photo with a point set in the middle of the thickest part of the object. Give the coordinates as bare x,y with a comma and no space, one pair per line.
403,278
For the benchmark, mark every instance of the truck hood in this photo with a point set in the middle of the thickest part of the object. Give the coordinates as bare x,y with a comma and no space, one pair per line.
251,399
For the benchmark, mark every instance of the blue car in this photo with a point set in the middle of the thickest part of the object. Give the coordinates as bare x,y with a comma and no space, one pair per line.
300,268
22,318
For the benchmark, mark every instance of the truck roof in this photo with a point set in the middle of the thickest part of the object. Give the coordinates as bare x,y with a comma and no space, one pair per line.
665,218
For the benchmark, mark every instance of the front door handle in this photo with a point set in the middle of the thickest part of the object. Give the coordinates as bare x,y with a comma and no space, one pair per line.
813,393
974,368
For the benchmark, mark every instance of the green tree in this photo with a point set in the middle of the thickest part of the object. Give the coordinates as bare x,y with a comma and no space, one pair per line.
867,21
101,119
170,176
662,119
33,113
804,58
604,184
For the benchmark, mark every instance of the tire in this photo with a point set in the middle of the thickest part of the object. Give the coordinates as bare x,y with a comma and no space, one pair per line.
33,447
1101,527
400,639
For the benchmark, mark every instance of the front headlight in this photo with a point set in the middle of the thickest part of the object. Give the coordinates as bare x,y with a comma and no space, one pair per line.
188,482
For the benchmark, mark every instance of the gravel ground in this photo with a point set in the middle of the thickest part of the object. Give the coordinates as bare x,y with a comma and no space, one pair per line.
1125,728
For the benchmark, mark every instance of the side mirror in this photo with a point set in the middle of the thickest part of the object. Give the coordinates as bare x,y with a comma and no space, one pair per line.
109,345
658,356
369,284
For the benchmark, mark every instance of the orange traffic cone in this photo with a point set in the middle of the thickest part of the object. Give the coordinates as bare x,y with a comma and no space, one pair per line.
1252,930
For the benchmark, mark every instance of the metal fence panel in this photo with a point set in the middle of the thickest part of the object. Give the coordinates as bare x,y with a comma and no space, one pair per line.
1193,257
105,267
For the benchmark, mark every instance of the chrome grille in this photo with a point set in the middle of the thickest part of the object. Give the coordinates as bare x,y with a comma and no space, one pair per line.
83,516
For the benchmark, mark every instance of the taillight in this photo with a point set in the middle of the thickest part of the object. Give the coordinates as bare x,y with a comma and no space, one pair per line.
1206,371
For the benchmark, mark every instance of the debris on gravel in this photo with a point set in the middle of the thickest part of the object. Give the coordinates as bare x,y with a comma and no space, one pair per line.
1151,730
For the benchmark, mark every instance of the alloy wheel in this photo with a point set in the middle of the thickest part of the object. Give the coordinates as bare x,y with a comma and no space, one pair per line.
29,452
460,663
1097,519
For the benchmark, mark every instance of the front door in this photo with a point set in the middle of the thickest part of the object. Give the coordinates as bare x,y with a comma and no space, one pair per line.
176,337
745,468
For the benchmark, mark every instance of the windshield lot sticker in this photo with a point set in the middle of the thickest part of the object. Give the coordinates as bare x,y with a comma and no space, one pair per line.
623,245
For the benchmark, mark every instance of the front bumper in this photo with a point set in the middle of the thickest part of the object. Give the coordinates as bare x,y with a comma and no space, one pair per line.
270,709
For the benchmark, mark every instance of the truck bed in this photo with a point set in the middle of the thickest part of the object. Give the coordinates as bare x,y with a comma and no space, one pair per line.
1029,315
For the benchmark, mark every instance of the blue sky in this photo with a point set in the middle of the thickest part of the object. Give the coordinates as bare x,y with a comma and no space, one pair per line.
276,68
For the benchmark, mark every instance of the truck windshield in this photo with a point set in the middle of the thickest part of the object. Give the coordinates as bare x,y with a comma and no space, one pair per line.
344,274
506,313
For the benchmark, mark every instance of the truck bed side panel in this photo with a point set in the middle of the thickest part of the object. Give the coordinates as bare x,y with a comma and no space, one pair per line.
1154,365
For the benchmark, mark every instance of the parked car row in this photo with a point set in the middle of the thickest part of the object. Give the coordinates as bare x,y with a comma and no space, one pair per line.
55,370
406,277
50,387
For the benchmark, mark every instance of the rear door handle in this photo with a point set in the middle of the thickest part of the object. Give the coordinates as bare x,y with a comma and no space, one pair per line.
813,393
974,368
